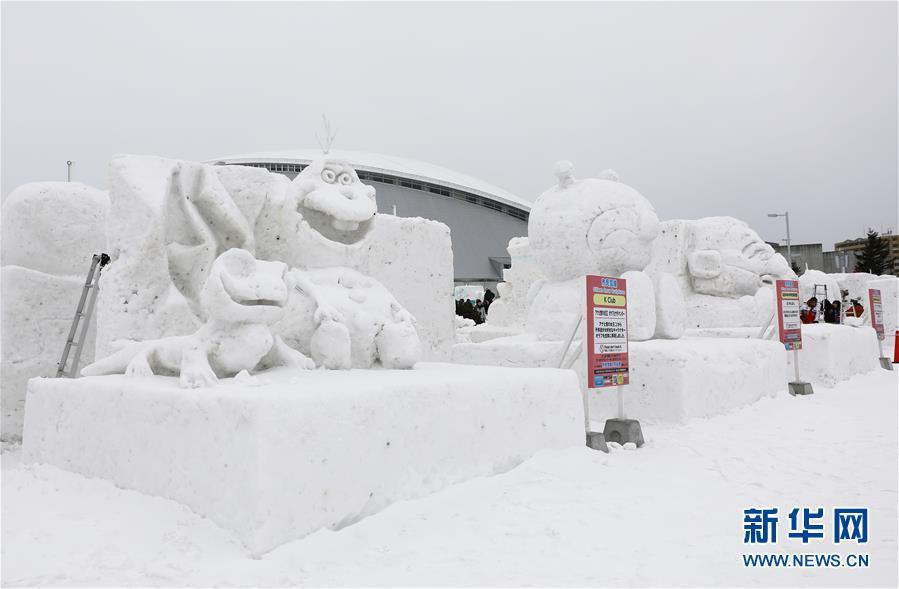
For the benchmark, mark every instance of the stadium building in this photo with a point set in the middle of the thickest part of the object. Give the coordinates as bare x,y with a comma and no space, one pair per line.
481,217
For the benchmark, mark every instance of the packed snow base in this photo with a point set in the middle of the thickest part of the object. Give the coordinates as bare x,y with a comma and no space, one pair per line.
277,456
669,514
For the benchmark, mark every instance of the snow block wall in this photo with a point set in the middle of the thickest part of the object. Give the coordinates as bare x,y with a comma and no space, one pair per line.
275,458
831,353
671,380
675,381
51,230
139,301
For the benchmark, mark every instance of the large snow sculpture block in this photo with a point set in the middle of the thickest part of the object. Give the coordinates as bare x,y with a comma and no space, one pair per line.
281,455
671,380
54,227
677,380
831,353
37,314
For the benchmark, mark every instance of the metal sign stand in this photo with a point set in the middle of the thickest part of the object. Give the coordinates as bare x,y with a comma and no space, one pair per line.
799,386
595,440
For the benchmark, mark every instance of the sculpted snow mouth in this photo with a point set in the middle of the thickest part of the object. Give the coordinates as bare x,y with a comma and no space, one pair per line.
341,225
236,291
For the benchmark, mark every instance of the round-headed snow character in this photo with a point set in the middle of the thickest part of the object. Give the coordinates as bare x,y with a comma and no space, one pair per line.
341,317
327,213
590,226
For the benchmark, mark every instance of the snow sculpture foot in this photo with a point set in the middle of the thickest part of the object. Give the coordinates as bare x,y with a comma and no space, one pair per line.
331,345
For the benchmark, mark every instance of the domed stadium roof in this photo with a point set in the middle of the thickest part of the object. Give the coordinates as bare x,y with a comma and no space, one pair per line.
386,164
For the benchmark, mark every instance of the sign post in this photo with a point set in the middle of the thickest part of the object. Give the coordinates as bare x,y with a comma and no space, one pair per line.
789,328
876,306
607,352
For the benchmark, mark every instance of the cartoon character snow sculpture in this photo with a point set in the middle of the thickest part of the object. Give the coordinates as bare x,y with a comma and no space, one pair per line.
340,316
727,258
241,298
597,226
724,269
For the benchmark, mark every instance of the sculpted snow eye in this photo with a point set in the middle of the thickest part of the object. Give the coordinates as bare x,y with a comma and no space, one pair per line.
329,176
345,179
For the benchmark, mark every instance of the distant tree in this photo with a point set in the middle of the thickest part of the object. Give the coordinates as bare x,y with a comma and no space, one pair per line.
875,258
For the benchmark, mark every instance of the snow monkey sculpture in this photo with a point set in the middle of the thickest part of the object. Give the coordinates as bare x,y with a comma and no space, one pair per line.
241,298
598,226
340,316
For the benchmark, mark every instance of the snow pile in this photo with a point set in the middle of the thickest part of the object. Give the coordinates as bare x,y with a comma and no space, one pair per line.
278,456
50,232
671,380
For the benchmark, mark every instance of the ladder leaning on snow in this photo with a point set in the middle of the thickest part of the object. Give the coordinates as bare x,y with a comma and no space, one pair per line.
82,318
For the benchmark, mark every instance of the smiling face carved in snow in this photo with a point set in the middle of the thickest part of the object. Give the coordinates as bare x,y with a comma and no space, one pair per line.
333,202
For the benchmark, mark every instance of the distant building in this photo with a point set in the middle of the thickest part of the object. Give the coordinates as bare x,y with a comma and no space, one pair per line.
813,257
854,246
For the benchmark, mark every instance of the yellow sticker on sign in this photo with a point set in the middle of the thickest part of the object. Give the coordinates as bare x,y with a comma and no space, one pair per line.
607,300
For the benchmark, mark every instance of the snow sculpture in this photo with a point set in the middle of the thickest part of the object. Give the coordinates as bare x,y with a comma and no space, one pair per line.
326,215
724,269
241,298
595,226
727,258
590,226
317,225
346,319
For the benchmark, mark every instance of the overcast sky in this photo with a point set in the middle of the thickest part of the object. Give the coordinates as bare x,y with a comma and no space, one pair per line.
706,109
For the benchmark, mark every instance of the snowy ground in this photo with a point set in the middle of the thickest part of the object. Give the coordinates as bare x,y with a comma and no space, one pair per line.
668,514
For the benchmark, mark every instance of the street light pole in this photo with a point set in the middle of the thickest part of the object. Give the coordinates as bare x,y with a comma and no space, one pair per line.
786,216
69,171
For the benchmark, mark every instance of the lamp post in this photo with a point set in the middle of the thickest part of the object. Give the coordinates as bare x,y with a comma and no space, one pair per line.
786,216
69,171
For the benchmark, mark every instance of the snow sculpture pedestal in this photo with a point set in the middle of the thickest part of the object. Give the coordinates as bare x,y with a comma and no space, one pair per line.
671,380
280,455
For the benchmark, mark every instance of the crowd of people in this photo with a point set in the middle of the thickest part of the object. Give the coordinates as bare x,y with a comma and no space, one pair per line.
475,310
829,311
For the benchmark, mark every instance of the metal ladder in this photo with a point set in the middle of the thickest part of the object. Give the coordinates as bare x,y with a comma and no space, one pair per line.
820,315
89,295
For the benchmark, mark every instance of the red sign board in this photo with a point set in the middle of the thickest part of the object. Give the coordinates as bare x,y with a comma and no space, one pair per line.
606,332
876,306
788,308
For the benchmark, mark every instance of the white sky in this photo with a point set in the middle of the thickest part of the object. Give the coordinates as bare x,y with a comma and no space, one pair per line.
706,108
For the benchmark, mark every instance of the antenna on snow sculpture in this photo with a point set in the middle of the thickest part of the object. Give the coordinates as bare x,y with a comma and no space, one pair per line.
564,171
326,143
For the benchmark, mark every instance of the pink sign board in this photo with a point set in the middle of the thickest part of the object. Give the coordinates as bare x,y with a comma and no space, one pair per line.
789,325
607,359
